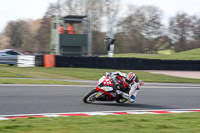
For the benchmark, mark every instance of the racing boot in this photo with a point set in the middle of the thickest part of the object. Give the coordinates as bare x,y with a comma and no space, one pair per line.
133,93
132,99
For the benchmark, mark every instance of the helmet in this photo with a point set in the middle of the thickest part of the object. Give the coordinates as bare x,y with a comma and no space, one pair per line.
130,77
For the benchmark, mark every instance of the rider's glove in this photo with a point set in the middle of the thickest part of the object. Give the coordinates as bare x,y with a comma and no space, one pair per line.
141,82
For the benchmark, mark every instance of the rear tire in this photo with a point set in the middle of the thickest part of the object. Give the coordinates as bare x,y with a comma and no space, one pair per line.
89,98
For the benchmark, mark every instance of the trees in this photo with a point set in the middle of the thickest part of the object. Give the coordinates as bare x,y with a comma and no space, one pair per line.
184,30
14,32
140,29
29,35
196,32
180,30
20,35
43,34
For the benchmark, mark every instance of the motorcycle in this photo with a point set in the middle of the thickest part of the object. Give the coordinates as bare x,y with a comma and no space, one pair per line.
109,88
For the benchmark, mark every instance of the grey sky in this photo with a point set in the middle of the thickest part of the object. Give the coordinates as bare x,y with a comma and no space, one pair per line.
21,9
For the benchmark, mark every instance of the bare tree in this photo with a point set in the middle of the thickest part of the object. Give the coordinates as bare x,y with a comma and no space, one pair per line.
141,28
20,35
13,31
4,41
95,9
180,29
196,32
44,31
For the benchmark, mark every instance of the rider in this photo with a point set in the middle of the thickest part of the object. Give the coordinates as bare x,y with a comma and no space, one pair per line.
132,82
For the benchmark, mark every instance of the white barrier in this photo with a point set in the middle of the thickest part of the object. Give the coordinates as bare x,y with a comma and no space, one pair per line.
26,61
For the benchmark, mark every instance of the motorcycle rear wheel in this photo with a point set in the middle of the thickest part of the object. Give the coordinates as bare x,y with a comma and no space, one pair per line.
90,97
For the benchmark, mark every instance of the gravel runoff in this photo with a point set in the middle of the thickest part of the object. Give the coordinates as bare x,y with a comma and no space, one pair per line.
185,74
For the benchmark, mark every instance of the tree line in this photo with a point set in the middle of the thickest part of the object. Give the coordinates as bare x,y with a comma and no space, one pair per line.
141,30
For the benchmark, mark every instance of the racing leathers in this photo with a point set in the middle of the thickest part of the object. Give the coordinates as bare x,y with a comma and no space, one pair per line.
132,82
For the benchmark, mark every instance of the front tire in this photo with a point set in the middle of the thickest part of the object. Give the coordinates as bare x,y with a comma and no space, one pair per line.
90,97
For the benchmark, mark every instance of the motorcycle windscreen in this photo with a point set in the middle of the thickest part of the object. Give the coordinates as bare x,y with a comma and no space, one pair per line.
101,80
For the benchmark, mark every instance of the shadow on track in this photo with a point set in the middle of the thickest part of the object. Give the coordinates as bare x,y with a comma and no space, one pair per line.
133,106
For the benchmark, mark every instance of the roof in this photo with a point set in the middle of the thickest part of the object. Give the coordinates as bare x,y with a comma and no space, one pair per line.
75,16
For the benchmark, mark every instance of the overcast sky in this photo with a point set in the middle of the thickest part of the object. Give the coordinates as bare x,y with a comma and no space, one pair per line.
34,9
22,9
171,7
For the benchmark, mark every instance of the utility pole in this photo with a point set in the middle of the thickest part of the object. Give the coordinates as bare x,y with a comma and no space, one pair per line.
90,35
90,22
110,37
111,18
57,26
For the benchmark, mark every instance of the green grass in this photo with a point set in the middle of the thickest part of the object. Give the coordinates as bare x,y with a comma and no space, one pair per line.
30,81
163,123
78,73
186,55
165,52
191,52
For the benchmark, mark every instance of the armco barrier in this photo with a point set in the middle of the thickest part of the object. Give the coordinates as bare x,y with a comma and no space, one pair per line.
122,63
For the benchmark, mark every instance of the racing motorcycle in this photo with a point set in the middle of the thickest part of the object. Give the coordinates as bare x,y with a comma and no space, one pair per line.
109,88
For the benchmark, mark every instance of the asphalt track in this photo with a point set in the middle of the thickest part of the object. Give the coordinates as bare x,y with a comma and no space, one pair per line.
34,99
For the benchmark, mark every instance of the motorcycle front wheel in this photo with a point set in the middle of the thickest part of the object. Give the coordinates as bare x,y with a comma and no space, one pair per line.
90,97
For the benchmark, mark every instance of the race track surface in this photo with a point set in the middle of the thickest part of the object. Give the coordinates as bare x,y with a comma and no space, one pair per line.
33,99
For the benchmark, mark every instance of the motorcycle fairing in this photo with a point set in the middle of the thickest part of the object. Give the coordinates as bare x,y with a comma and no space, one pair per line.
107,88
111,95
107,82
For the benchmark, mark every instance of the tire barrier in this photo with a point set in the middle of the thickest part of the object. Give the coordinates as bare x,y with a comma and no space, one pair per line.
49,61
123,63
39,61
26,61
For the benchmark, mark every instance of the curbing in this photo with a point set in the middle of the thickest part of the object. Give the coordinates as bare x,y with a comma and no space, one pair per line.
127,112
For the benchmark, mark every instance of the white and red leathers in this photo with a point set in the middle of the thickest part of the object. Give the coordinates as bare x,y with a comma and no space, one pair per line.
133,85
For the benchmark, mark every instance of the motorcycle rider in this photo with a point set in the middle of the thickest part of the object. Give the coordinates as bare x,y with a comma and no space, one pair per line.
133,83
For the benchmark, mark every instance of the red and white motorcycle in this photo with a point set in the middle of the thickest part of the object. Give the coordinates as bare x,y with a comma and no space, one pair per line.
109,88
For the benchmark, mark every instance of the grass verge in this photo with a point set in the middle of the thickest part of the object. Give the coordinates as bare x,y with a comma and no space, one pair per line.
186,55
159,56
165,52
163,123
31,81
81,73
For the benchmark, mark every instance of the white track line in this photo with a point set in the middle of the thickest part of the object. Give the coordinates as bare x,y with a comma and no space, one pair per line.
99,113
